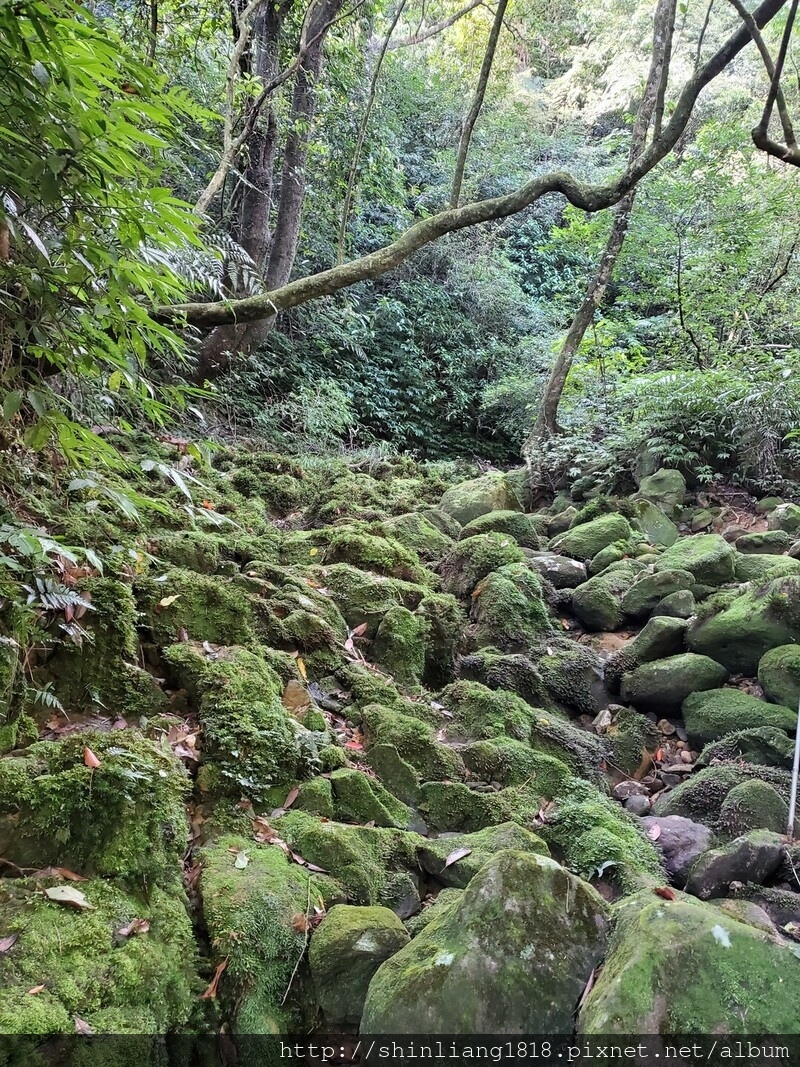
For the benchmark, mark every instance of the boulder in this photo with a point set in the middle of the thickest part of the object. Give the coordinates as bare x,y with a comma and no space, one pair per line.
468,561
687,967
514,523
765,745
666,488
754,805
663,685
511,955
758,567
469,500
757,620
346,950
779,675
753,857
766,543
561,571
714,713
680,605
708,557
703,794
680,841
562,520
508,610
657,527
587,539
784,517
472,851
598,603
647,592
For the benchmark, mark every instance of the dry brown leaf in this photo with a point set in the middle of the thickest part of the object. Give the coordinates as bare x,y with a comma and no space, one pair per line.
82,1027
36,989
291,797
664,892
301,667
313,867
166,602
588,988
135,926
360,630
7,943
211,992
58,872
654,832
456,855
300,923
90,759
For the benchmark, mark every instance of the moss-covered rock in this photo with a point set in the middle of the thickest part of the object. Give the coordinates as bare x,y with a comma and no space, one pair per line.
452,806
664,684
749,625
766,745
508,609
649,589
765,542
511,955
510,762
760,568
123,819
418,533
665,488
513,523
598,603
753,805
367,861
686,967
597,837
479,713
470,560
250,741
140,983
249,905
399,645
656,525
779,675
477,849
346,950
717,712
586,540
708,557
207,608
469,500
785,517
680,605
383,555
360,799
701,796
572,674
633,738
661,636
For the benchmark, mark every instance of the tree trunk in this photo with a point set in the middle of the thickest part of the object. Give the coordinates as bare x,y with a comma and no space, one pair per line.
547,421
477,102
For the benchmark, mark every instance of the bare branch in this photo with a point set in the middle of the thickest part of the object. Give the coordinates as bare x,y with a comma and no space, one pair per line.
582,195
438,27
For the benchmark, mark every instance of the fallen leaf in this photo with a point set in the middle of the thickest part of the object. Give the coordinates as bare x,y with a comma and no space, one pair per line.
664,892
354,744
183,634
135,926
208,505
588,988
82,1027
291,797
301,667
58,872
36,989
90,759
211,992
7,943
313,867
360,630
241,861
65,894
456,855
166,601
313,552
300,923
654,832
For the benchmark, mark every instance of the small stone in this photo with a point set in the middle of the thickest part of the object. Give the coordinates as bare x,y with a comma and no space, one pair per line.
686,755
637,804
602,721
666,727
629,788
676,768
670,780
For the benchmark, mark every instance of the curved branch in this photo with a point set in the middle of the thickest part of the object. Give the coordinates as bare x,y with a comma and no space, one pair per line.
438,27
582,195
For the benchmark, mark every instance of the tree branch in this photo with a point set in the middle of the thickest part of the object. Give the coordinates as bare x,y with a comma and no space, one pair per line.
582,195
438,27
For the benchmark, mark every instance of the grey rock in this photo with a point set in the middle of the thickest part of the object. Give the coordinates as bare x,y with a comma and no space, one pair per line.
681,842
561,571
751,858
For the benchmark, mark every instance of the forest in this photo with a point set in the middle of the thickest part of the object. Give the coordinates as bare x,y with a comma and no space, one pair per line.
399,525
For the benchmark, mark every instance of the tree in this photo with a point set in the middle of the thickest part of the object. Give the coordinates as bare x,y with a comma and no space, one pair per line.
584,195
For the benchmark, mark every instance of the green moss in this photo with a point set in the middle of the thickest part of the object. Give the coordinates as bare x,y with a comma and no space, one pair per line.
346,951
585,540
470,560
122,819
361,799
666,683
482,845
368,687
380,554
206,608
194,550
250,742
248,911
515,673
141,984
759,569
596,835
753,805
632,736
686,967
763,744
581,750
453,806
445,621
764,542
414,739
479,713
508,609
399,645
708,557
661,636
645,593
598,602
433,910
469,500
416,532
364,597
513,763
513,523
362,859
572,675
779,675
701,796
316,797
717,712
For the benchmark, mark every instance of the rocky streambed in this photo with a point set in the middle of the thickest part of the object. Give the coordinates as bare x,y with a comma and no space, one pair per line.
385,751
